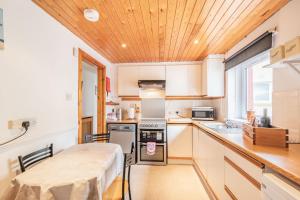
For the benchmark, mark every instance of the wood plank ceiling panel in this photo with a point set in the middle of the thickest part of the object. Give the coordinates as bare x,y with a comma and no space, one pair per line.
163,8
162,30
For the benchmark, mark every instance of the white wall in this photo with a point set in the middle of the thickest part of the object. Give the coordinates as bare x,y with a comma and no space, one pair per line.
89,97
38,75
286,82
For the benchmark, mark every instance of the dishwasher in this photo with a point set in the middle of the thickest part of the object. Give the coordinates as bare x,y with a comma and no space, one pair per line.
124,135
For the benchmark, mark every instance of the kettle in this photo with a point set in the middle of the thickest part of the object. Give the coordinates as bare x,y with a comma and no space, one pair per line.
131,113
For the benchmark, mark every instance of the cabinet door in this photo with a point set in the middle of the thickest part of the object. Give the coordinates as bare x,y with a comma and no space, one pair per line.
179,140
183,80
153,72
242,178
215,166
213,73
195,143
203,151
128,77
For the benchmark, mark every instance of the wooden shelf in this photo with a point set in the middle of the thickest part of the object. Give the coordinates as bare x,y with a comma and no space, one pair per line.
287,62
111,103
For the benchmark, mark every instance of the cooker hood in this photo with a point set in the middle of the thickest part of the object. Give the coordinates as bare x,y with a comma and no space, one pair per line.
152,84
152,88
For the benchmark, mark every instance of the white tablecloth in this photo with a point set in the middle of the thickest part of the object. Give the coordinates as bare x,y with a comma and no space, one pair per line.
80,172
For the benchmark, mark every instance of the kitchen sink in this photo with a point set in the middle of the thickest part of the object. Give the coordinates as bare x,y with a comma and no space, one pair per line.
222,128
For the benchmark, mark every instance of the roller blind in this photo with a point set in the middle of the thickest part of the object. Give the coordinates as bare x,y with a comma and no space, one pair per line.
259,45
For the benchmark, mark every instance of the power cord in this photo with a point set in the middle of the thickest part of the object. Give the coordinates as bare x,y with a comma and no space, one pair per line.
25,125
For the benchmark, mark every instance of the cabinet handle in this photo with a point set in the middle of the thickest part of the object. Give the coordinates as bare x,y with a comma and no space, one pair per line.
243,173
228,191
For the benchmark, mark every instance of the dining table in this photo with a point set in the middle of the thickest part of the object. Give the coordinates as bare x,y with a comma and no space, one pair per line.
83,171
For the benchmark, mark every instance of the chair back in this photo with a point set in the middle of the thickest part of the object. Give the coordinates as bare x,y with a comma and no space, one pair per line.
34,157
128,161
103,137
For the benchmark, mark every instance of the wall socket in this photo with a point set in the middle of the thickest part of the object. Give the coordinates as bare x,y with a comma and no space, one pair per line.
17,124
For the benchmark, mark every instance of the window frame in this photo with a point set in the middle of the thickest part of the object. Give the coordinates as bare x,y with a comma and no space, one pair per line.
241,86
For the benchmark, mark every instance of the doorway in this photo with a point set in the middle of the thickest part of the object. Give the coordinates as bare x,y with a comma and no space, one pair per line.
88,67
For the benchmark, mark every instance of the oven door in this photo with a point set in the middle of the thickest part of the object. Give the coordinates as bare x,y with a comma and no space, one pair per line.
159,158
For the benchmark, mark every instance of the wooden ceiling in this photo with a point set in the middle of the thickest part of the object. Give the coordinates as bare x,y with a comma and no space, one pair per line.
162,30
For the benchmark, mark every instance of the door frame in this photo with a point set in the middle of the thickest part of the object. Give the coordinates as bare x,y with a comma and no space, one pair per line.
101,92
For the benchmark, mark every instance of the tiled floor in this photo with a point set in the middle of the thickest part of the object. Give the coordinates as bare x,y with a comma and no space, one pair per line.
172,182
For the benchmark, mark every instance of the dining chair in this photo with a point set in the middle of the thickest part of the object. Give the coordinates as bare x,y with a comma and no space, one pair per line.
102,137
34,157
121,185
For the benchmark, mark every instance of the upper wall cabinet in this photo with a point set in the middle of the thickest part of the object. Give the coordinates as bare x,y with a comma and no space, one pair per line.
183,80
128,77
213,74
157,72
128,81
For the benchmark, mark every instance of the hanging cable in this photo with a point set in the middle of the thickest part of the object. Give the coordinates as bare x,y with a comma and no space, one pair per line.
25,125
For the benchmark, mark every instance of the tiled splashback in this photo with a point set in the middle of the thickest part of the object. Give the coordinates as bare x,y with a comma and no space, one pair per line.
286,112
184,107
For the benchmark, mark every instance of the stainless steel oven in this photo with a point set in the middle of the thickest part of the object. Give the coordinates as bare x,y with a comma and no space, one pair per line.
159,158
152,130
203,113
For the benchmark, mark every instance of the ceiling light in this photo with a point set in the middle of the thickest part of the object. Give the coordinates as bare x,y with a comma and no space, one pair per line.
124,45
196,42
91,15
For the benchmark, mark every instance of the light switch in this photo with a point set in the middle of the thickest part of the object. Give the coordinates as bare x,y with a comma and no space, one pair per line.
69,96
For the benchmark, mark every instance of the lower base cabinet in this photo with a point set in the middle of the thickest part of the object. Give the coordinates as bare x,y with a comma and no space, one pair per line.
228,174
180,141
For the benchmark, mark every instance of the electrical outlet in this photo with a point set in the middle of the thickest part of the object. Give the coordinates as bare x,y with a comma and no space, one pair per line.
17,124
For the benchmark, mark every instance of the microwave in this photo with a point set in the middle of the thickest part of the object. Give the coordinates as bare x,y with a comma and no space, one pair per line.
203,113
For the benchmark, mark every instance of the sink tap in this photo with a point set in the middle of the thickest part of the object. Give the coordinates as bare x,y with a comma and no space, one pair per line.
229,124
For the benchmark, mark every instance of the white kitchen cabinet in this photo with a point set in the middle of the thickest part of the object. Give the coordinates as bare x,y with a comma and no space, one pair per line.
180,140
203,151
195,143
242,177
153,72
128,77
128,81
222,167
183,80
215,166
213,76
211,162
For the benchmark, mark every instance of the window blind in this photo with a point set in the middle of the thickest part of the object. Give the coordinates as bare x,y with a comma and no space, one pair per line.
259,45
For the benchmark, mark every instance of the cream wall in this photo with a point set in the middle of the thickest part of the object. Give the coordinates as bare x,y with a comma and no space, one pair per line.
286,82
38,80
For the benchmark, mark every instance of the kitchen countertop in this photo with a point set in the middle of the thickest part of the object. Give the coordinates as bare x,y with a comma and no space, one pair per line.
180,121
284,161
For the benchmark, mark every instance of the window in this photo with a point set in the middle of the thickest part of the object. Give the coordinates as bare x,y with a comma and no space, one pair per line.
249,87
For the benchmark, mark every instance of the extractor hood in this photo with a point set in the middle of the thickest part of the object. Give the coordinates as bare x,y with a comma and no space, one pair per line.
152,84
152,88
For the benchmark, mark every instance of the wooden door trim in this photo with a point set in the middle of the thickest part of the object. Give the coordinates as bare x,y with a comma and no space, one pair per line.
252,180
101,73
